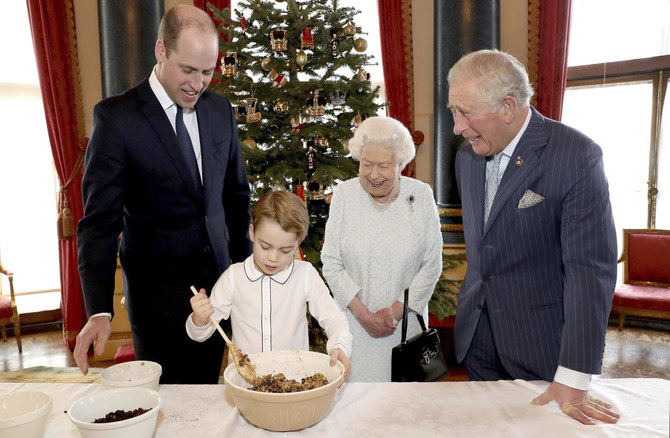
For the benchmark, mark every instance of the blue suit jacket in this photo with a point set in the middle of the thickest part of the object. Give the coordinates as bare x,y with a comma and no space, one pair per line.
547,273
136,182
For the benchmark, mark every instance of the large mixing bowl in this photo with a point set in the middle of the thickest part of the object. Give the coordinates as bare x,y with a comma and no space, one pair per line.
24,414
289,411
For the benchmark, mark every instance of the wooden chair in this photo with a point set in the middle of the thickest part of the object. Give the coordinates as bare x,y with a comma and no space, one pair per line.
8,312
645,291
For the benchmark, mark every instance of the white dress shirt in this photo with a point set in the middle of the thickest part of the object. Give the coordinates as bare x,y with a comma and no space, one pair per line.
268,313
190,117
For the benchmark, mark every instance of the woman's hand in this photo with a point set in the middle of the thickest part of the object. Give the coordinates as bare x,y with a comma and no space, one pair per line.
378,324
202,308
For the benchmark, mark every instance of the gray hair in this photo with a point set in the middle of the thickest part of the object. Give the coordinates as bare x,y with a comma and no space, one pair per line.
387,132
497,74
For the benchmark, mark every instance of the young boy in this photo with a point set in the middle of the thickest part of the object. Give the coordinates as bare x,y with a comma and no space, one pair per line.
266,296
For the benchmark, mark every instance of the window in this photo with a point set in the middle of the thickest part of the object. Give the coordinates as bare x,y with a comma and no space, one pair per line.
28,241
617,82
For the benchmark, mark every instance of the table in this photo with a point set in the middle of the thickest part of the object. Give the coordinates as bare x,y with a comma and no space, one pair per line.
443,409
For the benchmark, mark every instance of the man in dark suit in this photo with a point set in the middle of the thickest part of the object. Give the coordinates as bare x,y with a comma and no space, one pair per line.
539,236
164,169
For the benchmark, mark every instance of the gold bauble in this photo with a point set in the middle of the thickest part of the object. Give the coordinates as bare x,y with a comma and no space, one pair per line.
301,59
345,145
360,44
250,143
265,64
281,107
349,30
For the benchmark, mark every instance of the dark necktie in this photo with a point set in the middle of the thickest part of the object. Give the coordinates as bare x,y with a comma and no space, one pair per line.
186,147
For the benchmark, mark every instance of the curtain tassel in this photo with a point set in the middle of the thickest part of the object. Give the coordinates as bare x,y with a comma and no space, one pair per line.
65,221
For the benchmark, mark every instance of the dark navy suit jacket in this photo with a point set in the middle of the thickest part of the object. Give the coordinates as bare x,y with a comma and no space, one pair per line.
546,273
136,184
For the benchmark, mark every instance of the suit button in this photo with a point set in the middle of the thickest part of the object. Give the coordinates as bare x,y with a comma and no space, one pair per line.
206,250
205,219
486,277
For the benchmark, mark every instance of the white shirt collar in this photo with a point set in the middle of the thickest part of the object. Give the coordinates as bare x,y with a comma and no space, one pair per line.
159,91
509,150
253,273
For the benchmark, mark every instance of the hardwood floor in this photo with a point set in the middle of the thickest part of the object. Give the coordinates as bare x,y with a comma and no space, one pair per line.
642,349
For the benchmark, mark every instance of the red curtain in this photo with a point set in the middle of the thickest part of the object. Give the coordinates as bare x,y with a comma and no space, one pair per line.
549,31
395,27
53,31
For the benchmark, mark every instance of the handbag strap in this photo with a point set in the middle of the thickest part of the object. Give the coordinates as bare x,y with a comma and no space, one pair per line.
404,318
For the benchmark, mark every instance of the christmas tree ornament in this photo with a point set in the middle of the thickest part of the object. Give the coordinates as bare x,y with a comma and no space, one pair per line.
240,113
277,79
243,24
357,120
334,42
296,124
265,64
349,30
281,107
362,75
229,65
311,152
360,44
301,59
252,114
328,197
345,145
321,142
314,190
316,105
306,38
279,40
338,97
250,143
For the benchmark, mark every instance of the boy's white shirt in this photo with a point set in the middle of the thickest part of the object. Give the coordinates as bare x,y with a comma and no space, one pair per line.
268,313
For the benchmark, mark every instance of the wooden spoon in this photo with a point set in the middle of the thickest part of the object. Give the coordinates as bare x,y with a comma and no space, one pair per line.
242,362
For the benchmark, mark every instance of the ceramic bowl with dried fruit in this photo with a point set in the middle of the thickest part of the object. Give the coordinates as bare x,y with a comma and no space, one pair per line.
139,407
286,411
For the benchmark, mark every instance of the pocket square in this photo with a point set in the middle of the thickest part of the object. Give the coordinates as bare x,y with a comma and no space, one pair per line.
529,199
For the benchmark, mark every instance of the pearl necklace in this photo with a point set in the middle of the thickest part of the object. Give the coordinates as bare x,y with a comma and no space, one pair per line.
382,206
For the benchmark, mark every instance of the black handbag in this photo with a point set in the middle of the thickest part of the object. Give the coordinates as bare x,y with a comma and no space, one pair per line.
420,358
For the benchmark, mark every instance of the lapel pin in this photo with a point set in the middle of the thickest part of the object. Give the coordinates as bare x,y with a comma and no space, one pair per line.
519,161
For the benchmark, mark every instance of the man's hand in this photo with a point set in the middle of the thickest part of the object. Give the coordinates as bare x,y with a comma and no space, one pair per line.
97,329
578,404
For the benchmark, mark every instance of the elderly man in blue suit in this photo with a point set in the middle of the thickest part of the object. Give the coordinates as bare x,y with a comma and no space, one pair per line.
164,169
539,236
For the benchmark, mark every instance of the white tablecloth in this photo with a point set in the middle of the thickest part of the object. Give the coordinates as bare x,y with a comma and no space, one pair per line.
425,410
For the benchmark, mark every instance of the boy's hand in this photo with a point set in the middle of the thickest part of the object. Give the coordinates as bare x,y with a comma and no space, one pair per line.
202,308
337,354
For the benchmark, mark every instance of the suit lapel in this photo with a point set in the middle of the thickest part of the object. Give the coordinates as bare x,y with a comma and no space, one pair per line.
534,138
206,146
161,125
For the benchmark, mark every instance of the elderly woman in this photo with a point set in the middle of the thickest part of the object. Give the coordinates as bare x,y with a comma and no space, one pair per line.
382,236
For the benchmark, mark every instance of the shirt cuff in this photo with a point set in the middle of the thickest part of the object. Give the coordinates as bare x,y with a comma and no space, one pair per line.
196,333
573,379
107,314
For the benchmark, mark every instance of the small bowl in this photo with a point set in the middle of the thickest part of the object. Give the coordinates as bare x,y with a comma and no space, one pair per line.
24,414
289,411
137,373
86,410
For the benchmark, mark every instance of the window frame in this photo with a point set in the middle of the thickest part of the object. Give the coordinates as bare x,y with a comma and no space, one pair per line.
655,69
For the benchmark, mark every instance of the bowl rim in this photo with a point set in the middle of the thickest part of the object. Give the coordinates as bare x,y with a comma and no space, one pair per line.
122,383
153,412
278,396
29,416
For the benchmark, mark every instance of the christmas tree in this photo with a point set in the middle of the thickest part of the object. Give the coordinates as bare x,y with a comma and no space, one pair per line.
295,73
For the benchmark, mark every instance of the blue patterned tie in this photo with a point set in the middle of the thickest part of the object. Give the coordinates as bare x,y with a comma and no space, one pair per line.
186,147
492,186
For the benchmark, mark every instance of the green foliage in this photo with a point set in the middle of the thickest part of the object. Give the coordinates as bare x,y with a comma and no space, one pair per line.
276,153
443,302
